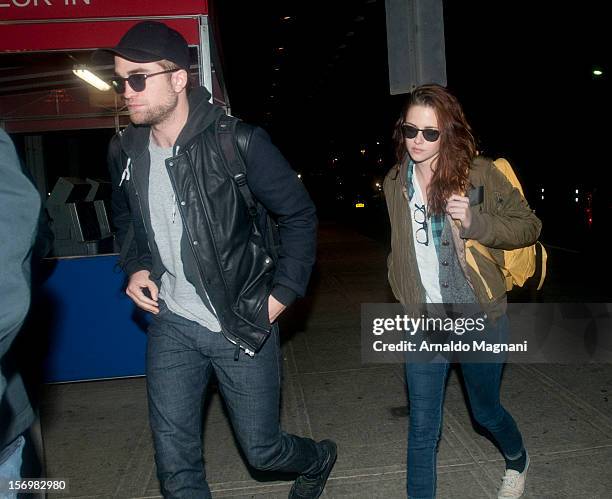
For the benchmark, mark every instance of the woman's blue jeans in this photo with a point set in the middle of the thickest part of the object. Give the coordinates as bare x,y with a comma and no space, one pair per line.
426,387
181,356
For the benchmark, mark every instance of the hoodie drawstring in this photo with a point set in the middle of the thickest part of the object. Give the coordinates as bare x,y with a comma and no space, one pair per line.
175,152
126,172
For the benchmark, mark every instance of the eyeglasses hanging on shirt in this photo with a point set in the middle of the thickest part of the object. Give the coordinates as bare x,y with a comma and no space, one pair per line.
420,217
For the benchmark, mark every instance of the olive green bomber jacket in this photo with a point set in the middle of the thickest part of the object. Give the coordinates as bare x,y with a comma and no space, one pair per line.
503,221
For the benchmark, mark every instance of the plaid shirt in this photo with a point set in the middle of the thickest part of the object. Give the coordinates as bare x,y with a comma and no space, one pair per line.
436,221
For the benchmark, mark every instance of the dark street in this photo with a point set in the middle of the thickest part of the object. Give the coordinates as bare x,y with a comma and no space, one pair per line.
97,435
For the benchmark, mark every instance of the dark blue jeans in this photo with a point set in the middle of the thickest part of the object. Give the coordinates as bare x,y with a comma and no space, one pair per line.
426,387
181,356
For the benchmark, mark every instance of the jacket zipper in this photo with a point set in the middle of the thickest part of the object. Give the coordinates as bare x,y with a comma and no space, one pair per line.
231,340
208,224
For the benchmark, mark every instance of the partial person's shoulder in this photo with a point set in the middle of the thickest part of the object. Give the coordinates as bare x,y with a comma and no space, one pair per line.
9,162
7,145
250,137
242,127
4,137
396,175
114,149
261,155
481,164
484,172
121,137
258,134
480,169
393,173
394,181
115,142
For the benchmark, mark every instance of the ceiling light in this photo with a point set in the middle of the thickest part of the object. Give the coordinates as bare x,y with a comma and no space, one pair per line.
94,80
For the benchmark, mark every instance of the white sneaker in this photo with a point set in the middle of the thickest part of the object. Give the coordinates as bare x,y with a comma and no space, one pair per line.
513,483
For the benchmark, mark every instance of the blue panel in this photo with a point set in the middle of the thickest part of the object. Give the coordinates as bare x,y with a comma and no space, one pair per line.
94,330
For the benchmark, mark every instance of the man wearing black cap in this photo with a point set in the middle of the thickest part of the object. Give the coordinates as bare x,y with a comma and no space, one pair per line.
193,245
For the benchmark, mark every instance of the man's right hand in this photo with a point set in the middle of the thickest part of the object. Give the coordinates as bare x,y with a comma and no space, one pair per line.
139,281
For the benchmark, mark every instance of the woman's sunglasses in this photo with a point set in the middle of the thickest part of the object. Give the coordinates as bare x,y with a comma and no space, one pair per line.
410,132
138,81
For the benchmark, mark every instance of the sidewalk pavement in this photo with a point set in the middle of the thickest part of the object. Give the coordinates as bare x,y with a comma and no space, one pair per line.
96,434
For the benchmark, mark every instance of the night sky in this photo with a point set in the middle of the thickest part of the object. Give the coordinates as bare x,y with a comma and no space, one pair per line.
314,74
512,64
523,71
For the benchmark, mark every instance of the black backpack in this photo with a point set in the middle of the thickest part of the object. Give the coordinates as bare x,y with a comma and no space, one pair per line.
234,139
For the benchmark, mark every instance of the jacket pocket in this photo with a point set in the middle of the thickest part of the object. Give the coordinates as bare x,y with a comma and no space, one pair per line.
251,306
252,297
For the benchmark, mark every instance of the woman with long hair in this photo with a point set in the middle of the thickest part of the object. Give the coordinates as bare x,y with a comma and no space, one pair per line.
432,213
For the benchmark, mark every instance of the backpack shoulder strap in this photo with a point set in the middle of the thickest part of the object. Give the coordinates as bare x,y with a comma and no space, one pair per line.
234,138
243,133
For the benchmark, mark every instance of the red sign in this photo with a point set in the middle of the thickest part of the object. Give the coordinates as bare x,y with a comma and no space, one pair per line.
79,35
37,10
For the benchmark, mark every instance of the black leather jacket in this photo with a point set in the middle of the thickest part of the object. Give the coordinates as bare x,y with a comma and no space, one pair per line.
223,252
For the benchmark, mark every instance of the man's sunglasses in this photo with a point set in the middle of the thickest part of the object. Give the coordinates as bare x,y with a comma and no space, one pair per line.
410,132
138,81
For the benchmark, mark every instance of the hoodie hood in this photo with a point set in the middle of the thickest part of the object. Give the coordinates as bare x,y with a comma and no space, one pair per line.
202,114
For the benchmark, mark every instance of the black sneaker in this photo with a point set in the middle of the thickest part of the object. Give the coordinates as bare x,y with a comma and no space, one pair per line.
311,486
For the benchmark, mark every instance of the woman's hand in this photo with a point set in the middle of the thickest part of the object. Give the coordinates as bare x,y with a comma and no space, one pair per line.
458,207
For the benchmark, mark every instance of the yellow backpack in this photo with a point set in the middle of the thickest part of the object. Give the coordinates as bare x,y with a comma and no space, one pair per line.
518,265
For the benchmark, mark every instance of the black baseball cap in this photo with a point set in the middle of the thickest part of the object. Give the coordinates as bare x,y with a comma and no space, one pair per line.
148,41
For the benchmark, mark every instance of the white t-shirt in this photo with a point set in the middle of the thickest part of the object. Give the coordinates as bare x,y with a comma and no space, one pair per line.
177,292
426,255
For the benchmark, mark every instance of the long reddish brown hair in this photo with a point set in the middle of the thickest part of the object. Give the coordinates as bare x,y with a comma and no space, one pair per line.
457,146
